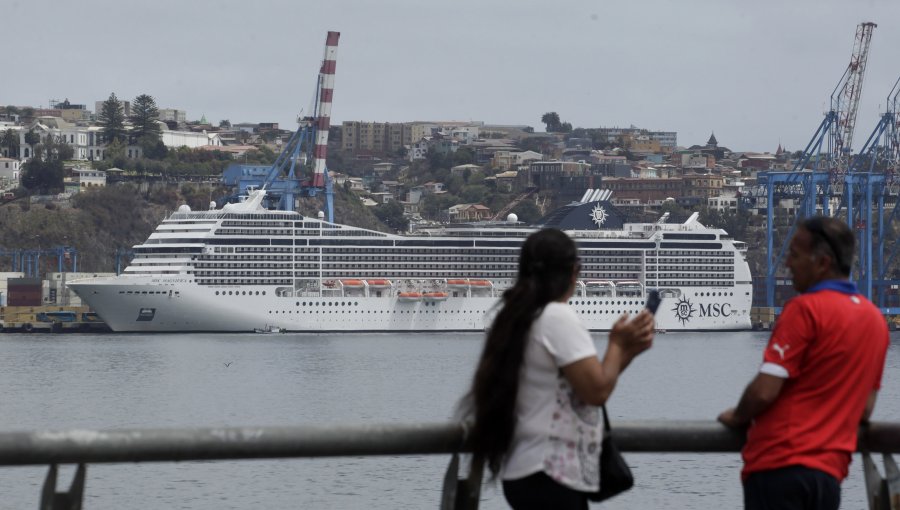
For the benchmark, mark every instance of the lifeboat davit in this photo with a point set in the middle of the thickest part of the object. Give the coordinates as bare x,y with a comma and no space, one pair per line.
408,297
378,284
353,284
435,296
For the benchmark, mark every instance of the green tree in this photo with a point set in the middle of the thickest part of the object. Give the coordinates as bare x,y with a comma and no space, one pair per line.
112,119
28,112
391,214
152,147
455,184
463,156
551,120
32,138
10,140
54,150
225,124
115,150
435,206
474,194
144,117
44,172
436,159
42,177
527,211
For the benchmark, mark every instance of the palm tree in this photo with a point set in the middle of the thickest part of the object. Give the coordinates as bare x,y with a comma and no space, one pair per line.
10,140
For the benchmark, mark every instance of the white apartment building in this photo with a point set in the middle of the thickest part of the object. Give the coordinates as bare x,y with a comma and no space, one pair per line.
89,178
9,172
87,144
190,139
83,140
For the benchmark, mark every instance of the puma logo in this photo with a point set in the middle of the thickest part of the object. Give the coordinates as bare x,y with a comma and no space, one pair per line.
781,349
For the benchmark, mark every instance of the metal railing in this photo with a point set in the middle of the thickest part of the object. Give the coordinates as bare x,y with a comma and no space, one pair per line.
84,447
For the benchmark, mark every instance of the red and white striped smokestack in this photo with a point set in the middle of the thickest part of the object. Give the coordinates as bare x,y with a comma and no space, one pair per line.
323,122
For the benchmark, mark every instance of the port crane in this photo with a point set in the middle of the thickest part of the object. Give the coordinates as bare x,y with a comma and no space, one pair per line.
28,261
827,179
300,168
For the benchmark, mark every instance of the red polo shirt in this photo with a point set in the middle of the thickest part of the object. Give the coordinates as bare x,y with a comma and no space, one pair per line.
830,346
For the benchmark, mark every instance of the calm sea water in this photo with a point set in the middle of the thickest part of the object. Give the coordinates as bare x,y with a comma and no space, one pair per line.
148,381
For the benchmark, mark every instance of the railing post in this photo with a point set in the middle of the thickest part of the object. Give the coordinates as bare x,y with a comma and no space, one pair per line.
451,484
892,475
52,500
462,493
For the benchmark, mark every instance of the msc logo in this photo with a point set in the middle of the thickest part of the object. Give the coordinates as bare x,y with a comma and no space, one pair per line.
598,215
715,310
684,310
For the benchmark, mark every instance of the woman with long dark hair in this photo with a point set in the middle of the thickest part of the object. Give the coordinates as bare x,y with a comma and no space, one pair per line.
539,381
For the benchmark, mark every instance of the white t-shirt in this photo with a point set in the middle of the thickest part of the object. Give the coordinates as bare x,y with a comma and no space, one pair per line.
555,431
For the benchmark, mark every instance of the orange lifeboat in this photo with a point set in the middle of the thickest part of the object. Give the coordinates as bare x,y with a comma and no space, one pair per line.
353,284
458,284
435,296
481,284
378,284
408,297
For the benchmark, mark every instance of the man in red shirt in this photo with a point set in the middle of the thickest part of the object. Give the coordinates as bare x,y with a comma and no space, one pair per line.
820,375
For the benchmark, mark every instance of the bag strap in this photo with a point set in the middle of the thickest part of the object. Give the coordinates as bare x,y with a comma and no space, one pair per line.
606,427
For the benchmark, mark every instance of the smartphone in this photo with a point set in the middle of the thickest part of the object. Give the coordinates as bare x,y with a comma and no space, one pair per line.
653,301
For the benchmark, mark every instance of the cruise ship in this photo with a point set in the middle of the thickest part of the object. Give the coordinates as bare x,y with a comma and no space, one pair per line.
243,267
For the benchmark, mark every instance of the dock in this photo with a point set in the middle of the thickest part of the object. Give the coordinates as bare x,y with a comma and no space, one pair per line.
50,319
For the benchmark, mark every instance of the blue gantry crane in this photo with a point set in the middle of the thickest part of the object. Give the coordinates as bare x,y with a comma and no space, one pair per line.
827,179
300,168
28,261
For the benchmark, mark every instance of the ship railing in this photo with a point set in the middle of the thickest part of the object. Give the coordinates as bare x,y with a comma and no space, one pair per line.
83,447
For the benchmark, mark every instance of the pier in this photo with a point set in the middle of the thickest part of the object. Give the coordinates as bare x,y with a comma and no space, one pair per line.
461,490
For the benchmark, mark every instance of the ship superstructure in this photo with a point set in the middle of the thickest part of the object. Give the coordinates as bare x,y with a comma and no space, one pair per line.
242,267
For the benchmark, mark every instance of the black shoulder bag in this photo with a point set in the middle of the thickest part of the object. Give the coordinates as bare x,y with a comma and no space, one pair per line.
615,475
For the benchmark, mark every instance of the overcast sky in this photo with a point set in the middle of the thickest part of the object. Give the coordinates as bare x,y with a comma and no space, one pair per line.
754,72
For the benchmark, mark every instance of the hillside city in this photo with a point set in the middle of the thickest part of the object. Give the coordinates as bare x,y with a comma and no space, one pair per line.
438,171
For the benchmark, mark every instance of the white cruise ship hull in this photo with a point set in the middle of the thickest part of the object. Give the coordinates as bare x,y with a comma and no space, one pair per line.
140,304
244,268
